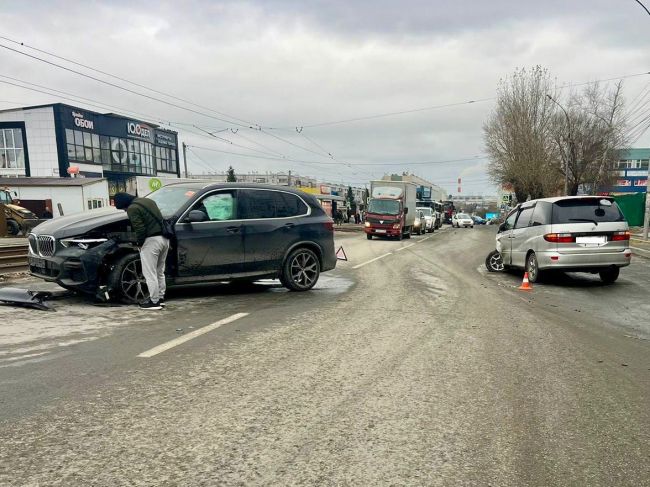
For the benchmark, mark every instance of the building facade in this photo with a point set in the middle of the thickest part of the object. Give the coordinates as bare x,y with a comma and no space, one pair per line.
632,172
57,140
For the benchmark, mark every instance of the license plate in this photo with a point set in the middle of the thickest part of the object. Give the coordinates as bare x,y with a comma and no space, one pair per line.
36,262
599,240
380,231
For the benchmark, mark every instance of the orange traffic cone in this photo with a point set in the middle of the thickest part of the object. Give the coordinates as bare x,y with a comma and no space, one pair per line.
525,285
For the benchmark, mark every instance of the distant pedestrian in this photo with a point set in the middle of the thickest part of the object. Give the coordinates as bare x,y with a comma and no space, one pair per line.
147,223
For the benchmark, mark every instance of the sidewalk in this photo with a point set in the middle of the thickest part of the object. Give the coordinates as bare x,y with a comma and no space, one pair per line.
349,227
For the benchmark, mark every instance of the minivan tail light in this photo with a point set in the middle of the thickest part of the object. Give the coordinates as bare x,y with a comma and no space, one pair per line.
620,236
559,238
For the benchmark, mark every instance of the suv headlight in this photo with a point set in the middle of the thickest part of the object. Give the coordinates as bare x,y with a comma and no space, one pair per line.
82,243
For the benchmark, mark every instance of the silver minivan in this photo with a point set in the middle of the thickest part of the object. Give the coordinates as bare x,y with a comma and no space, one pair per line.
571,233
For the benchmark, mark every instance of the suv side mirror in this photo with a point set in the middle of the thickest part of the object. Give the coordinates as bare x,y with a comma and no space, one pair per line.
196,216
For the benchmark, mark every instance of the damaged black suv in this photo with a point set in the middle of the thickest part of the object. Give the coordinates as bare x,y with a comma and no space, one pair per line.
223,232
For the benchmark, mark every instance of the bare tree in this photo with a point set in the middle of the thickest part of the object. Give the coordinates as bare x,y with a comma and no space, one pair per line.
519,133
589,136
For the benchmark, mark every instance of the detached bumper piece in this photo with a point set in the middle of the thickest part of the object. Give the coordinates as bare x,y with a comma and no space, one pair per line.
25,298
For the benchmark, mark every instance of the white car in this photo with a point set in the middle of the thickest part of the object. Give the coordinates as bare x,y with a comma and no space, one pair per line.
462,220
429,218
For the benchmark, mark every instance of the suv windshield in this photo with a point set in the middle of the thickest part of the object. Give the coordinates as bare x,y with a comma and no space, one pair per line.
586,210
170,198
384,207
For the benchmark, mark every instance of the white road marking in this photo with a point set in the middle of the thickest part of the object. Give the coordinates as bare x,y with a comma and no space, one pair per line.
372,260
402,248
189,336
425,238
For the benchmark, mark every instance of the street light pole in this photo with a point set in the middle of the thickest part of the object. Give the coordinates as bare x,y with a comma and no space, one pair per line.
571,148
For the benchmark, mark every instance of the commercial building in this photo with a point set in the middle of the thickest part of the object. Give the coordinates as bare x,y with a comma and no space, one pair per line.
57,140
632,172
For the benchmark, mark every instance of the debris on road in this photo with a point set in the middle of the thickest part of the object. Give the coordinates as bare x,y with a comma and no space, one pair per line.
26,298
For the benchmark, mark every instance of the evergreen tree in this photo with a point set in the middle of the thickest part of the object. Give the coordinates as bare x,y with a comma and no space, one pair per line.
231,178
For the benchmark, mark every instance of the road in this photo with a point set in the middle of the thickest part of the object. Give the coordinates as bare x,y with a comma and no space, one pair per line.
407,365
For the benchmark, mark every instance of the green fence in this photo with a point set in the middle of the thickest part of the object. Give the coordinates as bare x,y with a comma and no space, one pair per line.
633,207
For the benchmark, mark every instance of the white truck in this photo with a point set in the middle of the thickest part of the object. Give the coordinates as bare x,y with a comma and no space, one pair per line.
391,209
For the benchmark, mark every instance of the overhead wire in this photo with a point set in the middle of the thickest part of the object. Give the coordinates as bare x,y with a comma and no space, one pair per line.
72,61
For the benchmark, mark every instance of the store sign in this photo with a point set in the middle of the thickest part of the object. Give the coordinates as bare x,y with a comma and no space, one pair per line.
138,130
165,139
155,184
641,183
81,122
325,189
624,182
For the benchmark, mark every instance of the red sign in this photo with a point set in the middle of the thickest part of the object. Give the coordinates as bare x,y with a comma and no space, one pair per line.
624,182
641,183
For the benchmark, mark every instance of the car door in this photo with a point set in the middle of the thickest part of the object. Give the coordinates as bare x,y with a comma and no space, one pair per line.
504,236
520,236
271,224
212,248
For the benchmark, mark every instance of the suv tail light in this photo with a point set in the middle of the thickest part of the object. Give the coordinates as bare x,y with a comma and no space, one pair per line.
329,226
559,238
620,236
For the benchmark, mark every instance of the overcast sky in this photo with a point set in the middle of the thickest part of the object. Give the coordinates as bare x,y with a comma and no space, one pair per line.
283,65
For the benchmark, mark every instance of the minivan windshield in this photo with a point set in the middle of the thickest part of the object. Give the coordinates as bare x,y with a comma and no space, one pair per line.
383,207
462,216
426,211
586,210
170,198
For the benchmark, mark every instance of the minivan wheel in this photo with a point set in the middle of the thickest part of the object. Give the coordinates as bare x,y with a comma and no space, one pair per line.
532,267
368,236
494,262
301,270
609,275
127,281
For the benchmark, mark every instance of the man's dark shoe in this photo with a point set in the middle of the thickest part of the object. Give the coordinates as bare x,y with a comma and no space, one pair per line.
148,304
161,302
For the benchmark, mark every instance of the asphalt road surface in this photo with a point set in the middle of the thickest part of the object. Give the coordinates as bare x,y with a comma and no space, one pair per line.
407,365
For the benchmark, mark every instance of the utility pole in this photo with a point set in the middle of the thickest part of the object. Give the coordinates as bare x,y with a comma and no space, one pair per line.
185,158
289,178
646,218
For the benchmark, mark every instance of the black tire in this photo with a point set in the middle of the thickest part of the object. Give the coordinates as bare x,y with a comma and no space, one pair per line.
400,237
300,270
368,236
407,235
12,227
126,282
532,267
494,262
609,276
471,226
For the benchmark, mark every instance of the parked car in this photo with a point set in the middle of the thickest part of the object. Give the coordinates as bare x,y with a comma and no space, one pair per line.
576,233
429,218
478,220
462,220
223,232
419,224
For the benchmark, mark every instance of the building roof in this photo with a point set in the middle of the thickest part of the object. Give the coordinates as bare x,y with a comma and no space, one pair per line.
29,181
640,153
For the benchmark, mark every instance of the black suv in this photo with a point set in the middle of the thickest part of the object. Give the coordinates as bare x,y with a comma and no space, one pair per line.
223,232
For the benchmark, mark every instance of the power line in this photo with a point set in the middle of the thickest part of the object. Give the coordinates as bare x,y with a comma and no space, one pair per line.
122,79
123,88
644,7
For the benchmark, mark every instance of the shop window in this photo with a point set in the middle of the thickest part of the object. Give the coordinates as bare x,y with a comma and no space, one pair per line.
12,153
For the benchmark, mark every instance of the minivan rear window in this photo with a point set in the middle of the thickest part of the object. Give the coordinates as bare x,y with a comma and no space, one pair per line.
586,210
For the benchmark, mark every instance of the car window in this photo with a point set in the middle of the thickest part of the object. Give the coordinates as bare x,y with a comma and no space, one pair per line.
542,214
271,204
218,206
524,217
586,210
287,205
510,221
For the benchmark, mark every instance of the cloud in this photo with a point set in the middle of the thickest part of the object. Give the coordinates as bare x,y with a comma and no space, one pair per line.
287,64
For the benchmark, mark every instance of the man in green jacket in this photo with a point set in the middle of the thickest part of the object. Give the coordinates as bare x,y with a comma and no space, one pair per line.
147,223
